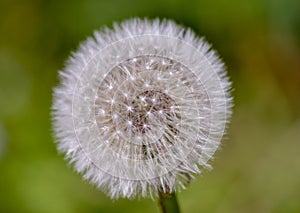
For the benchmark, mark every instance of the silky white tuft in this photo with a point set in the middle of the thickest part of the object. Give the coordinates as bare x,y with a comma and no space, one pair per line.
141,108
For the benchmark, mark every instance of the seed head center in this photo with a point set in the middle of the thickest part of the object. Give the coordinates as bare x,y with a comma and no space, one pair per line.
147,104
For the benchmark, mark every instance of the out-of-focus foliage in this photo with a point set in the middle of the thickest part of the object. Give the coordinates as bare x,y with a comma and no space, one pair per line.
258,168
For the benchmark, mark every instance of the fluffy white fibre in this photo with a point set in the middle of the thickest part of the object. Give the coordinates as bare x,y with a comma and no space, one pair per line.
141,108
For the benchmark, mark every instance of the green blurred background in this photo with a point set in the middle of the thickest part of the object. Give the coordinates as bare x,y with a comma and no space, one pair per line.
258,168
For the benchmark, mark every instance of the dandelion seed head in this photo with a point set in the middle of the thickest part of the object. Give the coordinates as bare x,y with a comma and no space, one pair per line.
141,108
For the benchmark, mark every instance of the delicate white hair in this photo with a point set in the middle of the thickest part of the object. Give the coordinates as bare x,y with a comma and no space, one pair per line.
141,108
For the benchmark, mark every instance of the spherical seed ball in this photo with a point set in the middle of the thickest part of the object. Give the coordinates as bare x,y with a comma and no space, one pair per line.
141,108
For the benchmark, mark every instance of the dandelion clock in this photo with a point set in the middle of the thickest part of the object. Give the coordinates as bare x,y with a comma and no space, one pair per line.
141,108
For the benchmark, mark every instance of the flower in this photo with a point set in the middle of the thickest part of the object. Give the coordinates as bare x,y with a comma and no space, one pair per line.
141,108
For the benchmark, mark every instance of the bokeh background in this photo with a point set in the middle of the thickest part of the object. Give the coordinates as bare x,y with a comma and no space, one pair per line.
257,169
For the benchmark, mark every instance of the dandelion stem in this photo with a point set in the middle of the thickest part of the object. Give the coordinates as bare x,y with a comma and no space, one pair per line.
168,203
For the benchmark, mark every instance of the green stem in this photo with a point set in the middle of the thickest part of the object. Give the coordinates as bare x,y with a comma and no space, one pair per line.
168,203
